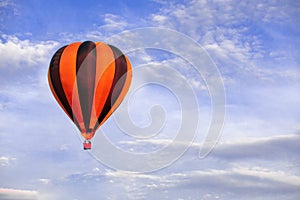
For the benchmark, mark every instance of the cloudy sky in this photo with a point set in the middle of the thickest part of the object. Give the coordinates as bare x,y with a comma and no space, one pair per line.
255,46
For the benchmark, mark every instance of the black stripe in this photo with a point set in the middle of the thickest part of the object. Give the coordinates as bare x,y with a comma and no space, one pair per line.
56,83
85,74
120,70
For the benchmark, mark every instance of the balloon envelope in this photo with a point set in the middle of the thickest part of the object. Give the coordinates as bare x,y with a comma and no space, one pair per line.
89,80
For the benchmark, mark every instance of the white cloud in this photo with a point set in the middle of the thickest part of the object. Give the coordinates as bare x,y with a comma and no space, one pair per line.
16,194
112,24
44,180
17,54
282,149
277,176
231,183
232,177
121,174
236,183
160,19
6,161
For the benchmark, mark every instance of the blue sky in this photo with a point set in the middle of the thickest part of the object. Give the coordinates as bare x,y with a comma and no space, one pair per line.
255,46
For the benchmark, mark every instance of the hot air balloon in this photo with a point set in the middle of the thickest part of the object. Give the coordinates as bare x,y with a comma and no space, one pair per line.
89,80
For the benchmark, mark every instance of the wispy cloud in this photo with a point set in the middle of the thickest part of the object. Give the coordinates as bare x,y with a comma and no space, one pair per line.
114,22
16,194
7,7
228,168
279,147
6,161
283,147
236,34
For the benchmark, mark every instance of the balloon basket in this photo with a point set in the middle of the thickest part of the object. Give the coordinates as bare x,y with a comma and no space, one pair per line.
87,145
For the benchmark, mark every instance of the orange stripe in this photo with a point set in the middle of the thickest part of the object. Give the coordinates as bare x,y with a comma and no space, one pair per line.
67,73
123,92
105,69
